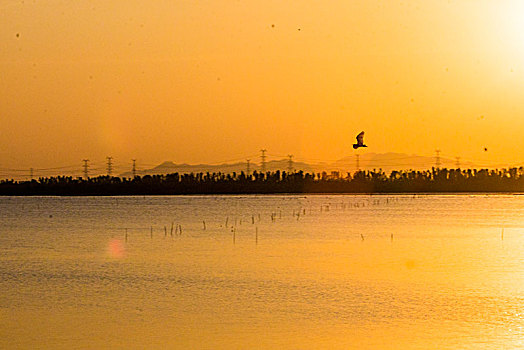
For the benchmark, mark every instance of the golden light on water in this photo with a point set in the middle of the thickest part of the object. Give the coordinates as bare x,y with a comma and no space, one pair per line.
393,272
209,81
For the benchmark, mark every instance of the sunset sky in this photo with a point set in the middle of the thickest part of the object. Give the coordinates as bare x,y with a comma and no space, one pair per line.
210,81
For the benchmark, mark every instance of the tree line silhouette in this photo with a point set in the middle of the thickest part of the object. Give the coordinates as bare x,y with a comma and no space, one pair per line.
376,181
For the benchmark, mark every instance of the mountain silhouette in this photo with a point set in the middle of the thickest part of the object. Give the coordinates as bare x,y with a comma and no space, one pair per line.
367,161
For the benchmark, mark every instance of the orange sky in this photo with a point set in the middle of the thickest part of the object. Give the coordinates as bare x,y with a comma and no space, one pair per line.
208,81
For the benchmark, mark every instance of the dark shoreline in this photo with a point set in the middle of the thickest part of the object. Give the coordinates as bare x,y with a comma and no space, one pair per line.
276,194
435,181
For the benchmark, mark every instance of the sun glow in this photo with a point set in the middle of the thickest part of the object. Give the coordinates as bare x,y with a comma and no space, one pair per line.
510,28
196,82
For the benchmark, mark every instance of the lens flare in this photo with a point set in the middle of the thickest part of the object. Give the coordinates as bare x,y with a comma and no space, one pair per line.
115,248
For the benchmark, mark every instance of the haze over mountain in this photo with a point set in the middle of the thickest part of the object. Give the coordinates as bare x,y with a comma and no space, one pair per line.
367,161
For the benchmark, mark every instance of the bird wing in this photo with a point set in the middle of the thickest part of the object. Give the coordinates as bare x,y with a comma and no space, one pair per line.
360,138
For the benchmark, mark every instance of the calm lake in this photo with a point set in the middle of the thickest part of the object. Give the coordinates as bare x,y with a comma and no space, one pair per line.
262,272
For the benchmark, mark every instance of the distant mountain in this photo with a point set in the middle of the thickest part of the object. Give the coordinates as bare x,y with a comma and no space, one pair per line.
170,167
395,161
367,161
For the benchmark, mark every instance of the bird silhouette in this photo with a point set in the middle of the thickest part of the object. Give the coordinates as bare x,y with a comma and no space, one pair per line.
360,141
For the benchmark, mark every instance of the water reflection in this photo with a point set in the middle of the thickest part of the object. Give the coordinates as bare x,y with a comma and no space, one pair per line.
263,272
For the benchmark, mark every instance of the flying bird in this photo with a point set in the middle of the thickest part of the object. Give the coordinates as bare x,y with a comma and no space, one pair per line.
360,141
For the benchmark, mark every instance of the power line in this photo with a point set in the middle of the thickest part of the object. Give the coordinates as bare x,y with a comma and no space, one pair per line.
59,168
232,160
263,158
109,166
86,167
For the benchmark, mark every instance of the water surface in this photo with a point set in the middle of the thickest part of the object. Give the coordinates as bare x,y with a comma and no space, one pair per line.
222,272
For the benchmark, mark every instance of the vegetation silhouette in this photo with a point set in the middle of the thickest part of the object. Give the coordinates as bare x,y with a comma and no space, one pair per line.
429,181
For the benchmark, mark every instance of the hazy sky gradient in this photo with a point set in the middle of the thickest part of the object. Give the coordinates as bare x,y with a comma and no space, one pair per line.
207,81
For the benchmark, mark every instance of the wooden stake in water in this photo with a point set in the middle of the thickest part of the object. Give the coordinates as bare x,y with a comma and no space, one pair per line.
165,231
362,236
151,234
256,235
234,235
391,237
171,232
227,219
204,222
126,234
180,226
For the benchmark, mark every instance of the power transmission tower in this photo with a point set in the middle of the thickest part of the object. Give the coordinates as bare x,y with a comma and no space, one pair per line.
134,168
247,167
86,166
458,162
437,159
358,162
109,166
290,164
263,158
